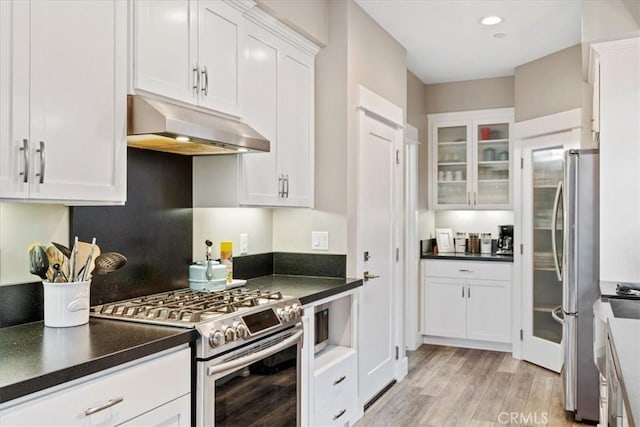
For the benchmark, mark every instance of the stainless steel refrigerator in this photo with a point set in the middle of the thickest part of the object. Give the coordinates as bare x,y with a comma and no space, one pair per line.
576,248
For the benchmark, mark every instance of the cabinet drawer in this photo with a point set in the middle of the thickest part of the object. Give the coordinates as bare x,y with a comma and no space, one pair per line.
466,269
125,393
335,387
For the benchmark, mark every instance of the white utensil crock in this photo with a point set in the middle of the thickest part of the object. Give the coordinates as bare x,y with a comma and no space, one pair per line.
66,304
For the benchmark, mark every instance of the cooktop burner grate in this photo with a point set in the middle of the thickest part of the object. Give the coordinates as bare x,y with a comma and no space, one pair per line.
185,305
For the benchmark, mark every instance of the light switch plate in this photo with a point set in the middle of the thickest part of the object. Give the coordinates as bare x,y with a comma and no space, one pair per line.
320,240
244,243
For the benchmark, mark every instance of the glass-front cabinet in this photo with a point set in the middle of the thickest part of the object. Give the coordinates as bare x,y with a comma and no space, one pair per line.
471,159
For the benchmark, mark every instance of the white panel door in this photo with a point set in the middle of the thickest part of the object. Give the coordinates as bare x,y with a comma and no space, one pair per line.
259,185
489,310
220,46
375,236
78,100
445,307
165,41
295,130
14,102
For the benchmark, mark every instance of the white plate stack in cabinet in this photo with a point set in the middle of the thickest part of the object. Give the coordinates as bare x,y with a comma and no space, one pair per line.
471,166
278,103
62,111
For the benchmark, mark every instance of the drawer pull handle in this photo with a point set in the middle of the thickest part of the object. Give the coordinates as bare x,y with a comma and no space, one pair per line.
465,270
339,414
108,404
339,380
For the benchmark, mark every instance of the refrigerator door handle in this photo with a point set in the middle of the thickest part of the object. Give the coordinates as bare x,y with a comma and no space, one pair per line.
554,218
557,315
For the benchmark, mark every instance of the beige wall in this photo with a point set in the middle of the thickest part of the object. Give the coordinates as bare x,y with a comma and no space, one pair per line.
308,17
548,85
22,224
469,95
417,116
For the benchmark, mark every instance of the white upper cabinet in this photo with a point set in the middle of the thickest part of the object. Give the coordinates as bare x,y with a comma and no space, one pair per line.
472,166
278,99
64,101
190,51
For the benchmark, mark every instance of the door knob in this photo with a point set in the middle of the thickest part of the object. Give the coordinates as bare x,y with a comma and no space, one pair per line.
368,276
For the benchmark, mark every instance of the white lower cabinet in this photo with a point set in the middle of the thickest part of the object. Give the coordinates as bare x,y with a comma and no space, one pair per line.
467,300
155,391
335,387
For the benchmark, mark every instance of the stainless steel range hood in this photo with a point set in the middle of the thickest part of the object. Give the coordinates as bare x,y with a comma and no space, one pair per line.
163,126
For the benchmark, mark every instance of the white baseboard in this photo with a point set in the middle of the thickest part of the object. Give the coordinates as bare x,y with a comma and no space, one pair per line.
464,343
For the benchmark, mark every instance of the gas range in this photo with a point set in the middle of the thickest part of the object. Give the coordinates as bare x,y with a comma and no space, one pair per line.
225,319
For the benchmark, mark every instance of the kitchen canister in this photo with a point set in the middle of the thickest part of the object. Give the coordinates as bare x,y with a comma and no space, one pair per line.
485,243
66,304
226,258
474,243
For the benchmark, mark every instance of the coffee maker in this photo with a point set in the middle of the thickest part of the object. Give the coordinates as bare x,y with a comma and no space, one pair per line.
505,240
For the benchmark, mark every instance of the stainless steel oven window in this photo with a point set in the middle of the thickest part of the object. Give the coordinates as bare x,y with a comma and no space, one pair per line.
258,384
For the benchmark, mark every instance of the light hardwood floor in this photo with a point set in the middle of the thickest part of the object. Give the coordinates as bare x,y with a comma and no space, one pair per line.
449,386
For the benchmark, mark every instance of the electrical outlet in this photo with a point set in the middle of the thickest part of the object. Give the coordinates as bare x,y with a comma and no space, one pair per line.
320,240
244,244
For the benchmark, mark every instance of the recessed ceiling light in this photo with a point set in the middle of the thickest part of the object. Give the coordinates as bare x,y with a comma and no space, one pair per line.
491,20
182,138
499,35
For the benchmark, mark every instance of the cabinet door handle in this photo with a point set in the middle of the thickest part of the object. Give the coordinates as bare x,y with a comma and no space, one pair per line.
475,198
196,78
25,155
205,76
468,292
280,186
339,414
339,380
286,183
107,404
465,270
42,165
463,292
468,197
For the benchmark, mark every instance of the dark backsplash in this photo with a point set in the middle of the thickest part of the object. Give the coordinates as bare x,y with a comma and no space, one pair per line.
153,229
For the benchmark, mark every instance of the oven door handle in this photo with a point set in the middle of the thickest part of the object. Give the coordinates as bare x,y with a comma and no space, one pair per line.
254,357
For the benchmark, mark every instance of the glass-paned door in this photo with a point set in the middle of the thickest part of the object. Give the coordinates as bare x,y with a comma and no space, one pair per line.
452,165
542,219
547,213
492,165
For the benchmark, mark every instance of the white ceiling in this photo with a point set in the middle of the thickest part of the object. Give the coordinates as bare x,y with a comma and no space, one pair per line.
445,41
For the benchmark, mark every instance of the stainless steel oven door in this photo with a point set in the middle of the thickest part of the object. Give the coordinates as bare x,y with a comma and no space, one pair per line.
257,384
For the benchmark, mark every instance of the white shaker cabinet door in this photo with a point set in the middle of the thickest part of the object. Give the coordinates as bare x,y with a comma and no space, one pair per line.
14,102
220,50
295,128
445,307
165,48
78,100
489,310
259,185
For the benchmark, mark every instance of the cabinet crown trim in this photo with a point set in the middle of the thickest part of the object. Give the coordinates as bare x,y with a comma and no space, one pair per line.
273,25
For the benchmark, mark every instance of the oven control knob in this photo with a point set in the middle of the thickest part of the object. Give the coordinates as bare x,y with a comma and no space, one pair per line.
283,314
216,339
299,311
241,330
229,333
293,312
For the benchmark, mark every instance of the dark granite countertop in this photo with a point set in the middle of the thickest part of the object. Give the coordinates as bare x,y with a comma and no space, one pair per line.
469,257
35,357
625,336
307,289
